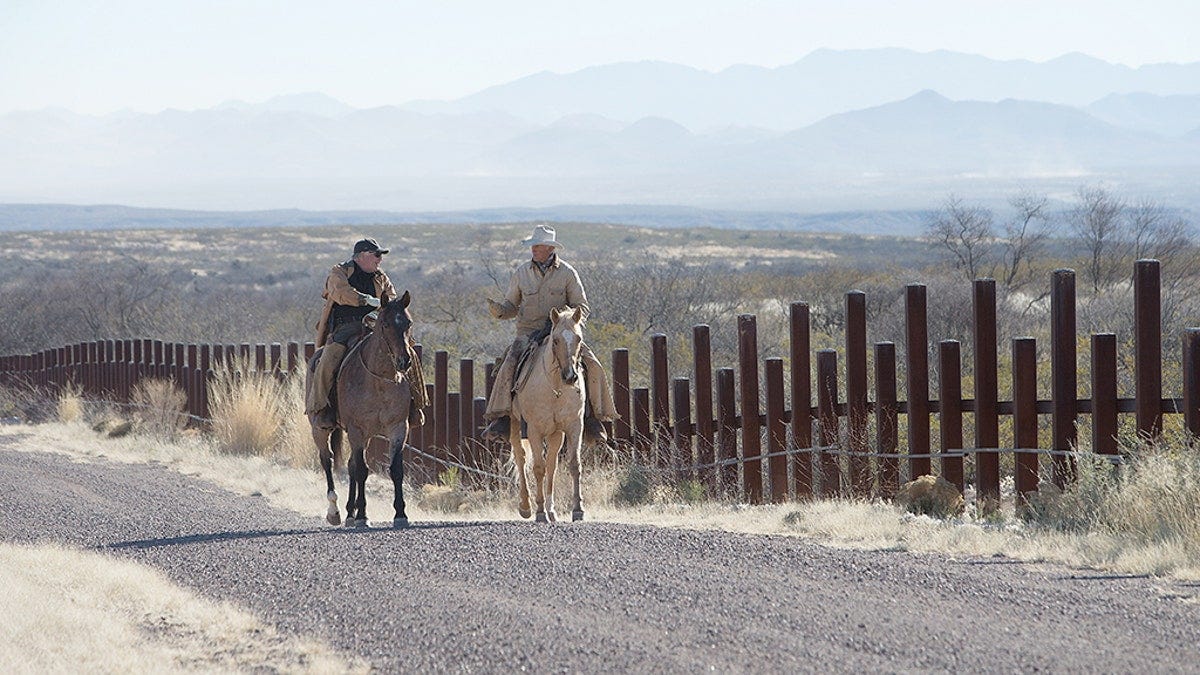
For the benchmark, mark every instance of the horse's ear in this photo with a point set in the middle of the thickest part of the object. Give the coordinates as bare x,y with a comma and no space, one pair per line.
578,315
554,317
405,299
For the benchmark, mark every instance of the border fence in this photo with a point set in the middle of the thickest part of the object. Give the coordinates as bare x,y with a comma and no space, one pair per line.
733,432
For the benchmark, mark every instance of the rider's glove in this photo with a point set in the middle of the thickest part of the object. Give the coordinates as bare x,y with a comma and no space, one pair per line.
368,300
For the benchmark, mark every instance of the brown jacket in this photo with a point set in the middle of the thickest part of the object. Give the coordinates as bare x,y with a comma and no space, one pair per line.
338,290
531,295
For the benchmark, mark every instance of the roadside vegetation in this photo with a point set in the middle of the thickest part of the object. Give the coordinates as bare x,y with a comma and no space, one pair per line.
236,285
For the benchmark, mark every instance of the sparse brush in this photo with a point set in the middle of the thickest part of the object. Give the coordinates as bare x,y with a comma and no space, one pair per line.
159,408
257,414
1153,498
70,404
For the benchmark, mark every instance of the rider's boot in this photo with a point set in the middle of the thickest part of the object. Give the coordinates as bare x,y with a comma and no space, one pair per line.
322,381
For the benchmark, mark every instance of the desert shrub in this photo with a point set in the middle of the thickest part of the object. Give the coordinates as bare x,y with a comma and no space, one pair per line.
1152,498
70,404
159,408
634,486
257,414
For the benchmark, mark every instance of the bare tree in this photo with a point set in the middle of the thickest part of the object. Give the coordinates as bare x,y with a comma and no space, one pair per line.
965,233
1024,235
1096,220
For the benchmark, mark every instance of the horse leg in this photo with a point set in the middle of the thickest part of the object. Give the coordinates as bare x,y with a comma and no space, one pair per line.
553,446
322,437
356,509
396,470
518,452
536,447
573,443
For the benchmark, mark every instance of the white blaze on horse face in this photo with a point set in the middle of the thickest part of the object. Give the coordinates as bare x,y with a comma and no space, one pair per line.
569,337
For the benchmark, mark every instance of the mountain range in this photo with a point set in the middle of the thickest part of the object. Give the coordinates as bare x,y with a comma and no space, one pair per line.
835,131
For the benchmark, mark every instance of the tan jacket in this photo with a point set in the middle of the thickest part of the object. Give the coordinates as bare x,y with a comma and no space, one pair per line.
338,290
531,296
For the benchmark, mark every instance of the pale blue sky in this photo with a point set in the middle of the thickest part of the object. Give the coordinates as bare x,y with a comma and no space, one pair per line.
97,57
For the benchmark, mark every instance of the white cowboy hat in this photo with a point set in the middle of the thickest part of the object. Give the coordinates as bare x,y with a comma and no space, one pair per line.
542,234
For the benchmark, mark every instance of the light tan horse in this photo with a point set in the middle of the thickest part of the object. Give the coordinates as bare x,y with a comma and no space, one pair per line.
551,402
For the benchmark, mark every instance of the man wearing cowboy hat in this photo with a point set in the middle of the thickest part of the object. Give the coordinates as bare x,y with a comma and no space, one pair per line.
353,290
546,282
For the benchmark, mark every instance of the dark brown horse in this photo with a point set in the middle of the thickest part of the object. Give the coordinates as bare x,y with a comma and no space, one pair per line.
373,400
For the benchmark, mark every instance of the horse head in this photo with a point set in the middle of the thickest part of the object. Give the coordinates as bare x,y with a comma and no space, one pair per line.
566,333
393,324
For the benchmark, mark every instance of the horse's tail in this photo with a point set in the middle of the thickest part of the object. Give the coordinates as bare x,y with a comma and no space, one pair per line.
335,445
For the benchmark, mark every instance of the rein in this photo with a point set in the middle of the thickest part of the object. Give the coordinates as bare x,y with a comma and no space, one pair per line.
391,353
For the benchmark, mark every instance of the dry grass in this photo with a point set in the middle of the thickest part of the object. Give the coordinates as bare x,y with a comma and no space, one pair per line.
260,415
1152,501
70,404
74,611
159,408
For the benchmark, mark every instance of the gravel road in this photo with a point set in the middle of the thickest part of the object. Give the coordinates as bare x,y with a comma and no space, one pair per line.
599,597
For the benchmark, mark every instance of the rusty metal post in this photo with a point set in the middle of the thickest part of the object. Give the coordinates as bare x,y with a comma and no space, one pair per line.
260,358
801,383
293,357
1025,423
1191,381
623,427
987,385
1104,393
702,380
660,397
856,393
726,476
310,349
206,375
1147,311
466,388
641,423
777,465
193,368
1063,374
827,395
951,417
751,428
441,399
276,357
681,452
886,431
453,447
916,350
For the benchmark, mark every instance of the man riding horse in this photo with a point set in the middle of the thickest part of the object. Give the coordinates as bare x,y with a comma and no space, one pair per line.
354,290
545,283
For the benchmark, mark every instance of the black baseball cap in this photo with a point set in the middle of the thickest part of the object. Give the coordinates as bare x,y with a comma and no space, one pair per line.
368,244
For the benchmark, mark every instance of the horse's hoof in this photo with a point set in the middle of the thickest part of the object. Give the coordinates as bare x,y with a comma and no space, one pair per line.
333,518
541,517
525,513
356,522
399,523
576,516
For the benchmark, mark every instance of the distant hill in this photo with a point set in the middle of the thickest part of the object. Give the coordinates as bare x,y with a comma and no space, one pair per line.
1166,115
838,131
823,83
67,217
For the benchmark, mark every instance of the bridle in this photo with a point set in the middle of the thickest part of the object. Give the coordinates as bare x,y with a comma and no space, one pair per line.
391,353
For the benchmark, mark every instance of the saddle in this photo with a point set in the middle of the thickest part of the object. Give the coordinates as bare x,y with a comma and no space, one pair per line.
525,358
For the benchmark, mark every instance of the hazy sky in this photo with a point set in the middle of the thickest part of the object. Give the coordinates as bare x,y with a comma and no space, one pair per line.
97,57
